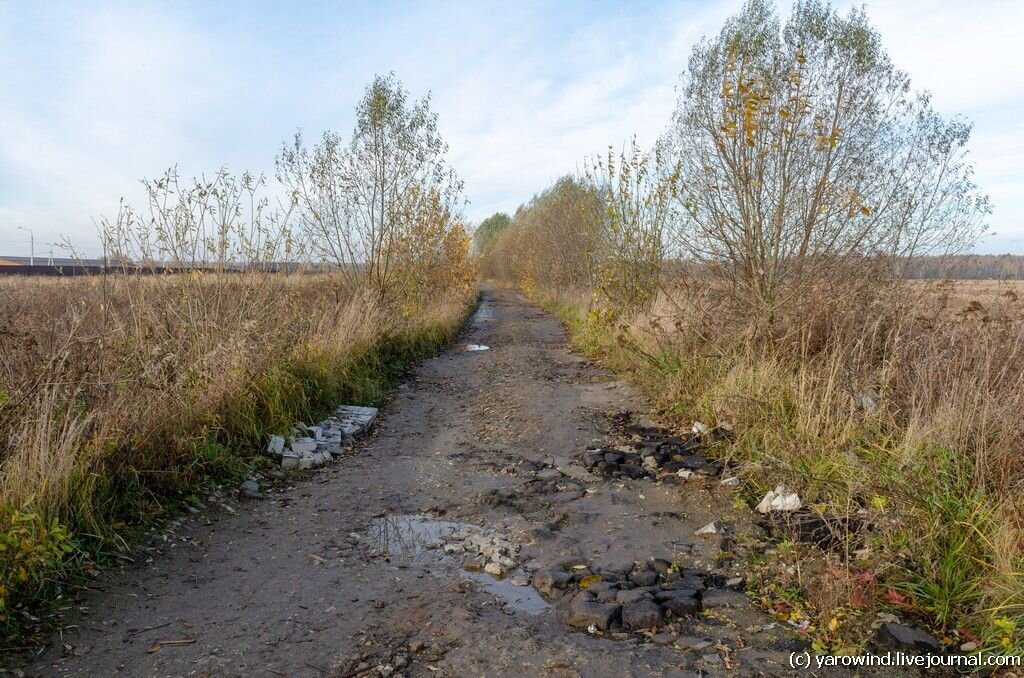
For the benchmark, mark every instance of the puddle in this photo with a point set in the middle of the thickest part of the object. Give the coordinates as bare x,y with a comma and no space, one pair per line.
519,598
475,347
405,538
483,315
418,540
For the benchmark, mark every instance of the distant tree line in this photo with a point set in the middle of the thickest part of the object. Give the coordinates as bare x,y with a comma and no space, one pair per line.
968,267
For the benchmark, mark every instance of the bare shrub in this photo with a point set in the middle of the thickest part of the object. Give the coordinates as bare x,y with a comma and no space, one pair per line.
806,160
631,232
362,203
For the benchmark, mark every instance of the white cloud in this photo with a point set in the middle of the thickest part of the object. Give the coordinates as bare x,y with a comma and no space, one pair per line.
101,95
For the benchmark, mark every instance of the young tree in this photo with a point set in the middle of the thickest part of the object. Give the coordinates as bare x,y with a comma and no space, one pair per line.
637,205
488,228
802,149
358,201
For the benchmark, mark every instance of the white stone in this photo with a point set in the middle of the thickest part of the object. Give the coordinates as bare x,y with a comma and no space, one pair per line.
699,429
353,420
685,474
731,482
711,528
315,432
494,568
306,463
276,445
289,462
577,472
304,446
779,499
867,403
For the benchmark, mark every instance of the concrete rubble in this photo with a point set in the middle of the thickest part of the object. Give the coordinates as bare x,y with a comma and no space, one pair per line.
779,499
310,447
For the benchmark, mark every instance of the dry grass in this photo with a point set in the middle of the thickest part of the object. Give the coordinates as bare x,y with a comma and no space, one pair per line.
904,408
119,393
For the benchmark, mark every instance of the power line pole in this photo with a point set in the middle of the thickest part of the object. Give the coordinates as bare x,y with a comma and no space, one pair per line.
32,245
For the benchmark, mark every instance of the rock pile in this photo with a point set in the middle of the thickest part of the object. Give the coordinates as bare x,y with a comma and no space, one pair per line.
313,446
491,552
635,596
478,548
652,453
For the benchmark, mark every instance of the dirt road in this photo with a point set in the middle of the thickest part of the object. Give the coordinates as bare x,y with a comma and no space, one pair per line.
361,568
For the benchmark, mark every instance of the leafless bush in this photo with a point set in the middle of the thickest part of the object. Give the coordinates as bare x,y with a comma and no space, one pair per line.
806,161
373,206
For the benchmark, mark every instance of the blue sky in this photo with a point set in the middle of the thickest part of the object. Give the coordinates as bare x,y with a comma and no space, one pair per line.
97,95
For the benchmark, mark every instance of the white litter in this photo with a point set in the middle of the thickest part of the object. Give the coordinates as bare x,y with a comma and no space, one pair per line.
779,499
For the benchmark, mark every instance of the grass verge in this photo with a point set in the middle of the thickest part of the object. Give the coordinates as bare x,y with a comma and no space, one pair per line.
913,463
118,404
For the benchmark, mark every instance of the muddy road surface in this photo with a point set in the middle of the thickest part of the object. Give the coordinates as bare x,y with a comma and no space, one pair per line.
470,534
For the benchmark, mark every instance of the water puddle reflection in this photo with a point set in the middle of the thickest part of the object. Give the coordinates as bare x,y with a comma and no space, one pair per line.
416,540
519,598
483,315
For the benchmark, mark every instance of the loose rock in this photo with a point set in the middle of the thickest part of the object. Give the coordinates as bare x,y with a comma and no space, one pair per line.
900,636
642,614
779,499
584,613
275,445
250,488
715,527
547,582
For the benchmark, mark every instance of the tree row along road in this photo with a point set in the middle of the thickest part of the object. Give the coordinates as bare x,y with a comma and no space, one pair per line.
373,566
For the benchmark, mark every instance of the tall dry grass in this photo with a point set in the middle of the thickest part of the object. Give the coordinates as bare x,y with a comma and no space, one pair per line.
903,410
120,393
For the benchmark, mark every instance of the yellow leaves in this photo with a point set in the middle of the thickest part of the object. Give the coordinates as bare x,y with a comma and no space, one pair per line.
857,207
825,143
590,580
800,57
1005,629
30,549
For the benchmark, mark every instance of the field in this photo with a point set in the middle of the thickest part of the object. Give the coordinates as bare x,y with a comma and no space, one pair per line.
902,427
718,407
120,395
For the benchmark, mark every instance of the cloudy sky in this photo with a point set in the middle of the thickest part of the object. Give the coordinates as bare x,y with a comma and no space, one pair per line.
95,95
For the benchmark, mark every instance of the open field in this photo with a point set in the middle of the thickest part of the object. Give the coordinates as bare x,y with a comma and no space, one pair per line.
121,394
735,393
